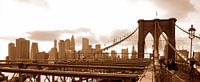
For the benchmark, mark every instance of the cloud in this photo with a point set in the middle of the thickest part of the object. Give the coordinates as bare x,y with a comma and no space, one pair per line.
119,34
83,30
175,8
55,34
9,38
35,2
44,35
92,39
115,35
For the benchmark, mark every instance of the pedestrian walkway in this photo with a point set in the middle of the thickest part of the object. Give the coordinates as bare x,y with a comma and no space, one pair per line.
148,75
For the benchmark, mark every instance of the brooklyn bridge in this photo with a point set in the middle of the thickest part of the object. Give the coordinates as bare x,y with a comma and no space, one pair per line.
97,65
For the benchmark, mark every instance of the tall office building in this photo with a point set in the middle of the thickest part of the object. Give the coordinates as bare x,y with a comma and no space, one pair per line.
85,44
165,52
22,48
61,53
98,54
72,43
134,53
11,51
113,55
89,52
67,44
55,43
43,56
106,56
98,47
34,50
53,54
69,54
125,54
72,48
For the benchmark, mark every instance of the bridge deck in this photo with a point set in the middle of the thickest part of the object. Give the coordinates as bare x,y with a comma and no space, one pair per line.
70,73
76,66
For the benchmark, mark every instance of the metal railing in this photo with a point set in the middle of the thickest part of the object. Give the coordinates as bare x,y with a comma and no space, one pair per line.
169,75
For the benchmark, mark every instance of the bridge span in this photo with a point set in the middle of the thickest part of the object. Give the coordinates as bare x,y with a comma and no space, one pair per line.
173,67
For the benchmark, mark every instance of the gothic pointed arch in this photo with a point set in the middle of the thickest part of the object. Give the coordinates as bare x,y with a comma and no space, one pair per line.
167,26
148,45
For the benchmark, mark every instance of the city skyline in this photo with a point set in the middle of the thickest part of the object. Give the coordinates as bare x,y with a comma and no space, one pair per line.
65,50
46,20
100,40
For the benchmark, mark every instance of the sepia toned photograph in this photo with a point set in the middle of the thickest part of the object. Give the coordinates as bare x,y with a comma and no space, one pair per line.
100,41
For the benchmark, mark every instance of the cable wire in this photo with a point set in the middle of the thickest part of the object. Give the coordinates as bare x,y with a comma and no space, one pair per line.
171,44
187,32
118,42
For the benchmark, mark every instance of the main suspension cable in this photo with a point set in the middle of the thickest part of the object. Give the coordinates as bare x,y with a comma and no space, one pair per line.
118,42
187,32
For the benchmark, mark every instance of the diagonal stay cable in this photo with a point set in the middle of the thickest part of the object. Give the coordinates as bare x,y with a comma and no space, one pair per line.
174,50
171,44
116,43
187,32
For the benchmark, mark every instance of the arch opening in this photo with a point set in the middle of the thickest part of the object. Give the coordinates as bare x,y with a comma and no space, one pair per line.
163,46
148,47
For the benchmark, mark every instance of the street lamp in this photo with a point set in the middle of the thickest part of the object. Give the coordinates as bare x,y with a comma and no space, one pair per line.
192,61
191,36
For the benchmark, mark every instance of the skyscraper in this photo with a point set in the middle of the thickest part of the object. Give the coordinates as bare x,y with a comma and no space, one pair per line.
106,56
113,55
55,43
11,51
69,54
53,54
98,47
165,52
61,53
85,44
67,44
43,56
134,53
72,43
34,50
22,48
98,54
125,54
85,47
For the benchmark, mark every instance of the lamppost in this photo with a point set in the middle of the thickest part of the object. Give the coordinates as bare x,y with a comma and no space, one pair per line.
192,61
191,36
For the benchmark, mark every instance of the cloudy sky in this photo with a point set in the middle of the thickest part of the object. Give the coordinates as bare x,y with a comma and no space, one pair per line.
101,21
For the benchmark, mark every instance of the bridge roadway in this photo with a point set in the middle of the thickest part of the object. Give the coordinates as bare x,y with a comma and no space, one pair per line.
70,73
78,68
133,62
76,60
72,66
122,71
